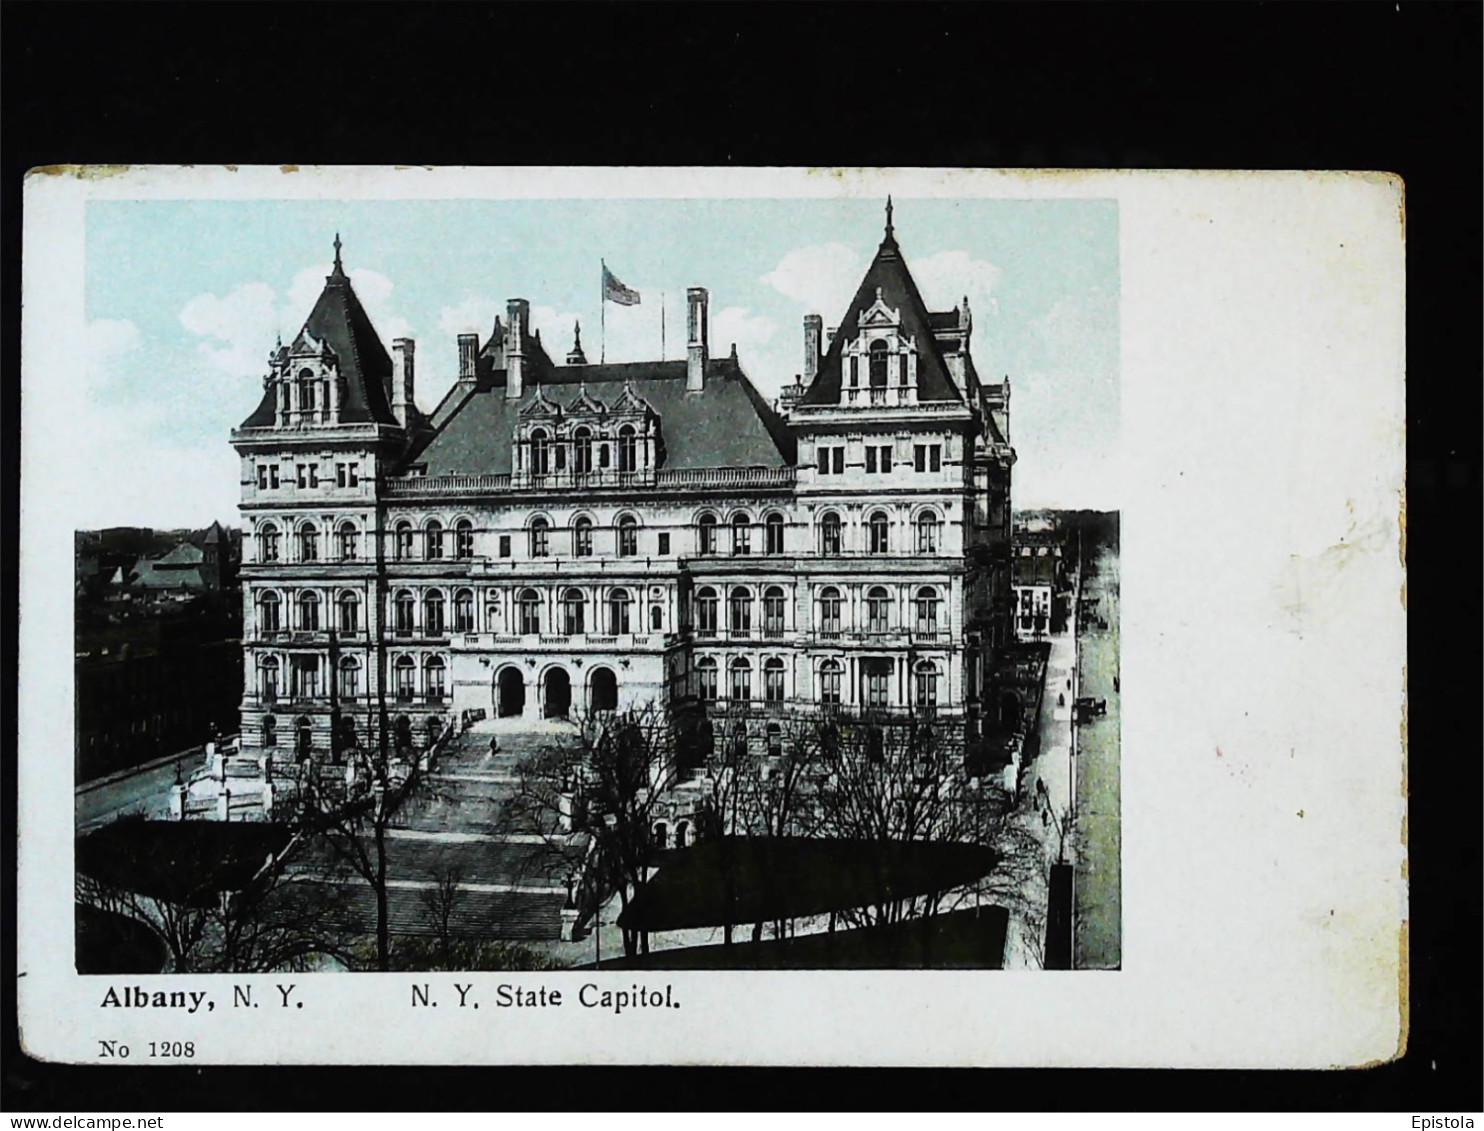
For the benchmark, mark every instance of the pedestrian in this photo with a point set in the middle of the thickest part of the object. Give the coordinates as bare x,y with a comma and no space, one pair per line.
494,746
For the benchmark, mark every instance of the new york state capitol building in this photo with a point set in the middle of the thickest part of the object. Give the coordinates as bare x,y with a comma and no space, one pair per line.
557,539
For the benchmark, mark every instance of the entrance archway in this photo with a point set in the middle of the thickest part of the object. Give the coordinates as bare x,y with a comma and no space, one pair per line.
556,694
510,693
603,695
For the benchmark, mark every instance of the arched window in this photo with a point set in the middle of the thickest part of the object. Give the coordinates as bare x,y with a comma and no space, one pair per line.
682,831
829,611
574,612
268,543
740,612
268,610
775,740
268,679
626,448
528,606
540,538
706,679
926,684
463,611
661,836
433,613
741,680
345,542
582,537
829,534
773,601
880,527
582,451
707,530
773,680
656,618
309,543
306,390
463,539
434,536
628,536
405,613
350,613
878,364
619,603
829,683
927,611
403,541
878,609
540,452
739,740
404,674
773,540
741,535
309,611
270,731
706,602
350,678
434,684
927,533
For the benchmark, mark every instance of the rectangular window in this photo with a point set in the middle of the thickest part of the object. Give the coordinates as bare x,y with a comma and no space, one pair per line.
342,477
504,545
303,475
837,461
262,477
886,459
742,683
306,677
877,684
871,460
919,457
354,470
935,457
273,477
664,544
855,371
823,456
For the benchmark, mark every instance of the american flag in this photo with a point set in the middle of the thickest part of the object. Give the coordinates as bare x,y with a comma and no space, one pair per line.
614,291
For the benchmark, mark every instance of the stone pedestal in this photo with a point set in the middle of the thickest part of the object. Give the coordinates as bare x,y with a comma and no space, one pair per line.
569,924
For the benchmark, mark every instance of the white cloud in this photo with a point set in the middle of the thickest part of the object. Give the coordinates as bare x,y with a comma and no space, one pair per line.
373,289
822,278
238,326
737,324
474,315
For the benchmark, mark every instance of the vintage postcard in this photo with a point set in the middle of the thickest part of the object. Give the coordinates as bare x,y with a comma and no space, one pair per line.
712,616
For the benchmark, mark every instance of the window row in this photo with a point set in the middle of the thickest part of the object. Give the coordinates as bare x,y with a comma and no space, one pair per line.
614,616
830,458
926,530
303,678
827,611
306,476
875,689
586,451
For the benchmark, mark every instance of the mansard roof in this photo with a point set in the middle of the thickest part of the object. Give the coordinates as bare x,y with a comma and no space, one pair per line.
339,322
727,424
887,274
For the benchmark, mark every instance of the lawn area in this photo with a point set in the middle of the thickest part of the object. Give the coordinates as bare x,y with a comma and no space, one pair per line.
961,940
755,880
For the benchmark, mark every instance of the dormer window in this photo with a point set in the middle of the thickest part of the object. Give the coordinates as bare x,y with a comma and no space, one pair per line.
878,364
540,452
582,451
626,448
306,390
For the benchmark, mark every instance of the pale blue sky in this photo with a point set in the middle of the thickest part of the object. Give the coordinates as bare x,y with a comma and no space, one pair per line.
184,300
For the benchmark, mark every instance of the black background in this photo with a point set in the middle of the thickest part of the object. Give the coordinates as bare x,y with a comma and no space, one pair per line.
1380,86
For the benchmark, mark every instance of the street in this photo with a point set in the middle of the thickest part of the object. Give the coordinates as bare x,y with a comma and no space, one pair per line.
1097,889
144,791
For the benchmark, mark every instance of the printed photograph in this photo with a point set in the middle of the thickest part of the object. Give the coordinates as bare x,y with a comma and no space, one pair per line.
742,594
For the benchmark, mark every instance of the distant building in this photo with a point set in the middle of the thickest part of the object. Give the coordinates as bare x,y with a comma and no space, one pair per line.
576,537
1037,576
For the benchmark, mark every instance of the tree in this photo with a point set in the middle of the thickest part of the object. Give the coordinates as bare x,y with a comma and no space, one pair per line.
347,811
440,902
593,798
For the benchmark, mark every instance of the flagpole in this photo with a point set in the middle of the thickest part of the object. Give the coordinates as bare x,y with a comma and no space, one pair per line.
602,315
662,325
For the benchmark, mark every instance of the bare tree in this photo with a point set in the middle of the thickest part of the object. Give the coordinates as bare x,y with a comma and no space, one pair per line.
593,797
441,901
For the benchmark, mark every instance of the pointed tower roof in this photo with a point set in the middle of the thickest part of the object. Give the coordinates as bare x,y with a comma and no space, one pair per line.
887,280
339,323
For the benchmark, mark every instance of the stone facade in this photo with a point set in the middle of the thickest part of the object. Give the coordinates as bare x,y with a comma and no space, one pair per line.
558,539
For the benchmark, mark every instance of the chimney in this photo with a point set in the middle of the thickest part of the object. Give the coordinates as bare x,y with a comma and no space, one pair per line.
518,319
695,348
468,355
402,379
813,335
